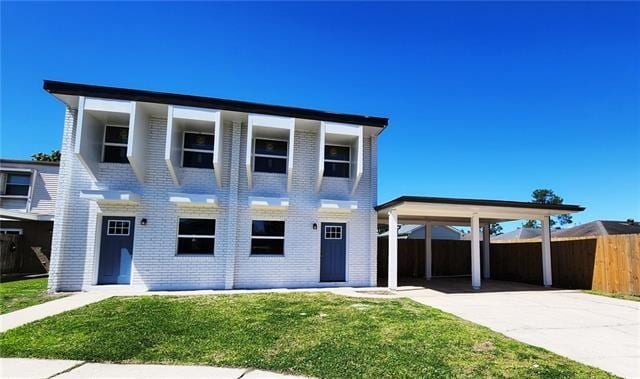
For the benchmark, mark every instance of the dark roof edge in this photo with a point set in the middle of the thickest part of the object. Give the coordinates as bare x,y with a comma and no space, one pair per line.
76,89
499,203
26,161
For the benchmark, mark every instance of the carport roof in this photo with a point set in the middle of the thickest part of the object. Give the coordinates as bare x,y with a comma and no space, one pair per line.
456,211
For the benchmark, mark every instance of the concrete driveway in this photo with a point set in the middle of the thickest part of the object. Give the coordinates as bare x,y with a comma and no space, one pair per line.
595,330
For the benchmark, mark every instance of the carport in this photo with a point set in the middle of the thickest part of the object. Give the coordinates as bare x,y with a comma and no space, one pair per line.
474,213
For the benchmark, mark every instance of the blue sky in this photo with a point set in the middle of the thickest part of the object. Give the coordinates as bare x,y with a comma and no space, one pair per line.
486,100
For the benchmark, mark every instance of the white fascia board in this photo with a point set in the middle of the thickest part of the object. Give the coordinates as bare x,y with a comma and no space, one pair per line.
110,197
467,211
258,202
88,140
323,129
107,105
339,206
171,154
196,114
342,129
194,200
264,121
136,146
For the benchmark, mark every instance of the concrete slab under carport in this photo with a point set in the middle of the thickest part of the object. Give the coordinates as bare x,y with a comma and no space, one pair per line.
595,330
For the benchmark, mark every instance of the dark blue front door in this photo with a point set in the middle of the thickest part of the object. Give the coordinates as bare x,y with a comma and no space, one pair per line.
116,250
333,252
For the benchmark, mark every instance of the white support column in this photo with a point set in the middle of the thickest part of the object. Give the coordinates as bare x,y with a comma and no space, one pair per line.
546,252
475,251
427,250
392,282
486,244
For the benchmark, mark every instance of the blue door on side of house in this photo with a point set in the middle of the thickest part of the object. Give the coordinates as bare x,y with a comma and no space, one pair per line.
116,250
333,252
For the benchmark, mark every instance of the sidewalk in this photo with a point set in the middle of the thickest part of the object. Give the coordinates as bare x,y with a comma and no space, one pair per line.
63,369
36,312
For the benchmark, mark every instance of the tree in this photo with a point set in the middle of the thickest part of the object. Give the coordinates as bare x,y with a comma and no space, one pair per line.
54,156
495,229
547,196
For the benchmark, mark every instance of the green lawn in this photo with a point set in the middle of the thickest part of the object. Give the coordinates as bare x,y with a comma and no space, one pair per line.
23,293
614,295
318,334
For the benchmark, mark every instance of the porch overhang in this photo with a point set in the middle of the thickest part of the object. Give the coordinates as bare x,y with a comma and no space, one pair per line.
107,197
475,213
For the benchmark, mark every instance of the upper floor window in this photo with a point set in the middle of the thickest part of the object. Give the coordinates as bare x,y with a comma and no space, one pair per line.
196,236
267,237
337,161
115,144
17,184
270,156
197,150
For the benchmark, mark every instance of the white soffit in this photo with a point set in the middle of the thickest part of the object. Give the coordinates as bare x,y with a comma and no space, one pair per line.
194,200
269,126
272,203
340,206
111,197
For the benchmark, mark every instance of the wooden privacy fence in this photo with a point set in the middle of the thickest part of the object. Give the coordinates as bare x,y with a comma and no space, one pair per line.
605,263
16,257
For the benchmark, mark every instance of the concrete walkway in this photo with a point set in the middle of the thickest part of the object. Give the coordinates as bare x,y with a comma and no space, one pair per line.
46,368
595,330
23,316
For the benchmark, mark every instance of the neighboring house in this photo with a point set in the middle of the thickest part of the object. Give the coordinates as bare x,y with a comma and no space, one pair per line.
599,228
165,191
439,232
519,234
27,201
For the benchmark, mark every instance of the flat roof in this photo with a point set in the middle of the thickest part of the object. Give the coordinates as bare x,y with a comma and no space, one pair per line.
77,89
478,202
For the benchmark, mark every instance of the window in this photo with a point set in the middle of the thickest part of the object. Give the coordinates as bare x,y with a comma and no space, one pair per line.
333,232
270,156
118,227
267,237
17,184
196,236
197,150
115,144
337,161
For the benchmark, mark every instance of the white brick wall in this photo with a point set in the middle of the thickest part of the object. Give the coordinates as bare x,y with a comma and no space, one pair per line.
155,264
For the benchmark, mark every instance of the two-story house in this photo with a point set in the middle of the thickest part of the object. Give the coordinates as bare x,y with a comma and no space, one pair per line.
166,191
28,192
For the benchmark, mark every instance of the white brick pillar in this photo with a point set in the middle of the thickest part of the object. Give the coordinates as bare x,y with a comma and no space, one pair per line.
475,251
427,251
486,249
546,252
392,282
232,219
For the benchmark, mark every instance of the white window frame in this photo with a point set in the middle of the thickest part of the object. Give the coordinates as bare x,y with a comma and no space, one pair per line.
9,230
348,162
5,182
115,227
337,232
184,133
268,238
208,236
105,143
286,157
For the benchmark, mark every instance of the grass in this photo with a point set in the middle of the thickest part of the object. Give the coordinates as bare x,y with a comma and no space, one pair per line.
319,334
22,293
614,295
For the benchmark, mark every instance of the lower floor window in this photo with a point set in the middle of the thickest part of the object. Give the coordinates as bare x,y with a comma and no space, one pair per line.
267,237
196,236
